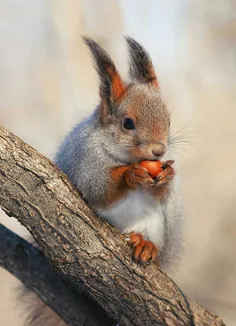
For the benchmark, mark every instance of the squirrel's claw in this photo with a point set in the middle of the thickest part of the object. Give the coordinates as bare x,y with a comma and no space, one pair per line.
164,177
143,251
166,164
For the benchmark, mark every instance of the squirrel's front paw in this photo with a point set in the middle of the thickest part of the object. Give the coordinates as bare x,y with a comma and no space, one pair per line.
165,176
143,251
136,175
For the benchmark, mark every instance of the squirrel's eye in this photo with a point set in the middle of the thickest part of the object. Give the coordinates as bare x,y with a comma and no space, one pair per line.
129,124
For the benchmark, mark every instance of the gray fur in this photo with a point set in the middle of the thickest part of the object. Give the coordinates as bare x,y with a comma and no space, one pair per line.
173,243
91,150
37,312
96,146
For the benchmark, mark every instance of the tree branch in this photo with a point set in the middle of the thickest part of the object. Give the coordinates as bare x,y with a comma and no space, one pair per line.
84,248
30,266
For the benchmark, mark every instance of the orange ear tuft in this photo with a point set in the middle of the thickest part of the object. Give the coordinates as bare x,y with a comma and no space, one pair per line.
152,77
117,85
111,85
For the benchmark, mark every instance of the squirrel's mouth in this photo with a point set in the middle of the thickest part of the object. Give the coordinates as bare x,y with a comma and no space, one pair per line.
127,157
150,152
146,157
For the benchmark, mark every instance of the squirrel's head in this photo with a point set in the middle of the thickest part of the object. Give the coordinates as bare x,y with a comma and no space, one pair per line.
134,119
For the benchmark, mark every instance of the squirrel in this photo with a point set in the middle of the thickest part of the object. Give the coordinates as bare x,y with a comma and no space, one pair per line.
101,157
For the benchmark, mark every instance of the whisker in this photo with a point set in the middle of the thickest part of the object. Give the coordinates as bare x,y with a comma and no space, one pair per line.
184,143
183,140
181,147
178,146
186,134
178,153
181,129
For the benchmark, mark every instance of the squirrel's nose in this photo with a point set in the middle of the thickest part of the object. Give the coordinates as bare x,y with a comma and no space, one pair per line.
159,150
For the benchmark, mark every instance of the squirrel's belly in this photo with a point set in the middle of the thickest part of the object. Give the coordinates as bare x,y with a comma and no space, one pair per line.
140,212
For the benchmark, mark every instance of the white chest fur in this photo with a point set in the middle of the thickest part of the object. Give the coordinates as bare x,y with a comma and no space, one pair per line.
139,212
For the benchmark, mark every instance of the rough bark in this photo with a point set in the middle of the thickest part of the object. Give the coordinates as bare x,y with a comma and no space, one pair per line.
30,266
84,248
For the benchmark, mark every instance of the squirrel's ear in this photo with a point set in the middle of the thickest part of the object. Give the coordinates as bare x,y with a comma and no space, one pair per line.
141,67
112,87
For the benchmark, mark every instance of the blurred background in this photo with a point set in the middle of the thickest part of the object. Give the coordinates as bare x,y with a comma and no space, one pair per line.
47,84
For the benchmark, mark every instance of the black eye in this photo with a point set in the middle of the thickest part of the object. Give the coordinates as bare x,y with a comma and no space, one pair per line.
129,124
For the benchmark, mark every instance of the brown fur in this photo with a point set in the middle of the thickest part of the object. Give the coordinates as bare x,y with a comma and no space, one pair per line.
126,178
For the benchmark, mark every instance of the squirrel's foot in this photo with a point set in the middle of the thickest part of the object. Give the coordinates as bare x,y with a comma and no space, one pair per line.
143,251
